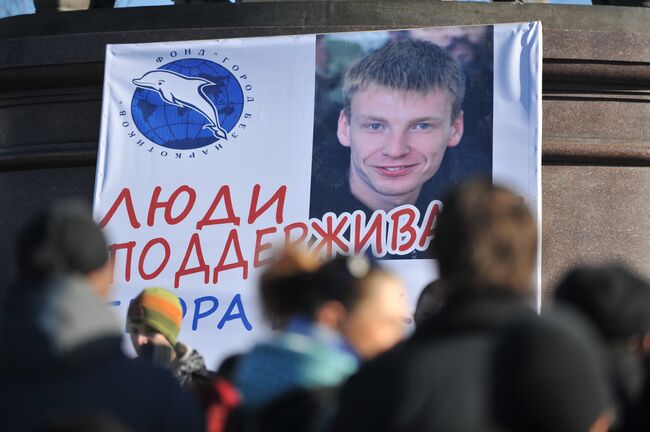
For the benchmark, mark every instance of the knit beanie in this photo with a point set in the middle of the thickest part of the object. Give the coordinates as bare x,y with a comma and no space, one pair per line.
63,239
159,309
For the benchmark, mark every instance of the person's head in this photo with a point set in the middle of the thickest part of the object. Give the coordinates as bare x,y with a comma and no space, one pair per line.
402,111
486,241
550,375
614,299
366,304
350,295
432,299
154,322
64,240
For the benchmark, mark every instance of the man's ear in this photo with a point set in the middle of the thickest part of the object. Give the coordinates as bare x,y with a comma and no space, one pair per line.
343,130
457,129
330,314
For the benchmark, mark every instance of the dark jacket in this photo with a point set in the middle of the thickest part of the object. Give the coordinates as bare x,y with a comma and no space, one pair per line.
436,381
628,377
304,410
61,358
189,367
634,413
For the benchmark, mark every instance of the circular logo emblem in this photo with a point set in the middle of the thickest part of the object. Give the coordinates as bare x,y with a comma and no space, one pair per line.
187,104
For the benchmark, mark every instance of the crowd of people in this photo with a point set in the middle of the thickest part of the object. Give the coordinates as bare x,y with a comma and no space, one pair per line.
481,357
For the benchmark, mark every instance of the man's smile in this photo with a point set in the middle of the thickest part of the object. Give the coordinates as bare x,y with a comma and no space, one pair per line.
395,170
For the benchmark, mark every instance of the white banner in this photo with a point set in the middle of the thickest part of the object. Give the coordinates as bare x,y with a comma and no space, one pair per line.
212,151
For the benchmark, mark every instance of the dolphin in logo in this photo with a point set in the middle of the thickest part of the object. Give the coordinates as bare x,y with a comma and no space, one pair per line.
182,91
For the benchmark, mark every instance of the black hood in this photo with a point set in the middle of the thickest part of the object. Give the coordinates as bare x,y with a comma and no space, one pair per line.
478,314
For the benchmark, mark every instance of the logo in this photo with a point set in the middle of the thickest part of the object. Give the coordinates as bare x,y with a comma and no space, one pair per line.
188,104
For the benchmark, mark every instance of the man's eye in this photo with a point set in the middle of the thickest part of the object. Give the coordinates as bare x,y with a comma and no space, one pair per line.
423,126
374,126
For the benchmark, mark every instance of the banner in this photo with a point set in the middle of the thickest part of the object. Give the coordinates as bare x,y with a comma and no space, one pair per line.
214,152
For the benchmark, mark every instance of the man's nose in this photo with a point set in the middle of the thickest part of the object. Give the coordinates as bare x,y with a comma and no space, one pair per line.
396,146
142,340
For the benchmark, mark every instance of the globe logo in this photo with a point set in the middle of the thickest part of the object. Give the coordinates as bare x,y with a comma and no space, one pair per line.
187,104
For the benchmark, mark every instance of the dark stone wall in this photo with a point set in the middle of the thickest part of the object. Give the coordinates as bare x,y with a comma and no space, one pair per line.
596,151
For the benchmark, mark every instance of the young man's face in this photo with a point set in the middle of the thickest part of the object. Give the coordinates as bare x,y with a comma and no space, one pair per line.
397,140
142,335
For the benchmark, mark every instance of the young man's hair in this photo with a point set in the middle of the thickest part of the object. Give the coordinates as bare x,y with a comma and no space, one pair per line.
408,65
486,241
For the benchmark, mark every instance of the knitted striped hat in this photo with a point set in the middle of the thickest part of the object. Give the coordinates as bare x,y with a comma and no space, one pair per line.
159,309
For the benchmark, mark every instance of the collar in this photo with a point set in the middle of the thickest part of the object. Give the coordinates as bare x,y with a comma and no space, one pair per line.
478,314
302,326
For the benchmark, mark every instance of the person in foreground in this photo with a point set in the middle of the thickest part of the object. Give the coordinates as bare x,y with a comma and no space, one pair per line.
551,374
60,346
617,302
441,379
329,319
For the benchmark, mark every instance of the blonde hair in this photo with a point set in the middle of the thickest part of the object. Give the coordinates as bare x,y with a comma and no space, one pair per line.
410,65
